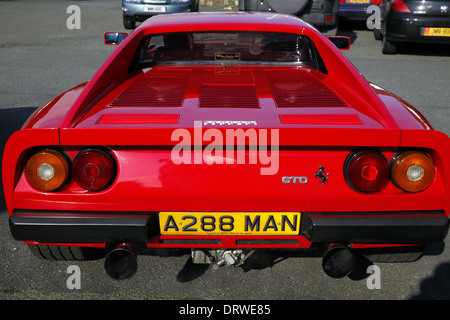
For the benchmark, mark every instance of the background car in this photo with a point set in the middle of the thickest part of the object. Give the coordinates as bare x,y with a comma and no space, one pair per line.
403,21
140,10
355,10
320,13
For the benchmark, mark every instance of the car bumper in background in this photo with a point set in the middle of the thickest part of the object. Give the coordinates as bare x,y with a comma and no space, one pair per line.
354,12
411,28
140,12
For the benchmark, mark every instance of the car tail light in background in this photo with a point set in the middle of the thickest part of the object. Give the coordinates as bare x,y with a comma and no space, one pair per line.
93,169
47,170
400,6
412,171
367,171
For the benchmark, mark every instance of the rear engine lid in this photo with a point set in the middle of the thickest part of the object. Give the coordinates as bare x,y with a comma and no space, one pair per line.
265,97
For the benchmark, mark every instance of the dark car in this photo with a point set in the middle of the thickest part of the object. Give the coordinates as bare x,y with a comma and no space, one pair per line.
140,10
355,10
322,14
403,21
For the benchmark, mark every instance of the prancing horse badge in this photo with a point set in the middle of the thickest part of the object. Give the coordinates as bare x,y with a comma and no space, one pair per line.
321,175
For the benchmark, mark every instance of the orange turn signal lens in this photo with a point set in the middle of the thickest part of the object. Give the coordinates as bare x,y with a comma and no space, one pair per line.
47,170
413,171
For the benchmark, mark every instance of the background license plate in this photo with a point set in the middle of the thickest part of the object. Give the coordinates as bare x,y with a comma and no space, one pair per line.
154,9
229,223
436,32
358,1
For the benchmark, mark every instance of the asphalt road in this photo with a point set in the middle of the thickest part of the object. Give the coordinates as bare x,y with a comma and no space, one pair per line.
40,57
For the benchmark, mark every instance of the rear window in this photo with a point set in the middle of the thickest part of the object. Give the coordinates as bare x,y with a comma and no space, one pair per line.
226,47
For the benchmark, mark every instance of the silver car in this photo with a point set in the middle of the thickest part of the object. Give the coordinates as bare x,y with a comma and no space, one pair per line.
139,10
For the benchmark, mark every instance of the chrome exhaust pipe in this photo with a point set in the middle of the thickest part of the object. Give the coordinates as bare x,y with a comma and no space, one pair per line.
121,263
339,261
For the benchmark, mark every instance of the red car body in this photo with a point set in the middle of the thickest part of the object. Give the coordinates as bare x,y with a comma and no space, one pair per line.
321,119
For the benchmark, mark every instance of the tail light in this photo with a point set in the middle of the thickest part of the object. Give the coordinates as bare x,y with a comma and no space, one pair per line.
375,2
400,6
93,169
47,170
367,171
413,171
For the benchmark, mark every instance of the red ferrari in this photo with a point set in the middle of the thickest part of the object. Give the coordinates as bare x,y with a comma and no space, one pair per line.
225,133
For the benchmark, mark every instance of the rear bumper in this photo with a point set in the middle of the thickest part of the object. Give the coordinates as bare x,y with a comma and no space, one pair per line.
395,227
92,227
74,227
405,27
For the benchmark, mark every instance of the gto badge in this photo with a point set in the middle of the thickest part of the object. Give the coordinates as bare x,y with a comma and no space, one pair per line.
444,9
321,175
288,179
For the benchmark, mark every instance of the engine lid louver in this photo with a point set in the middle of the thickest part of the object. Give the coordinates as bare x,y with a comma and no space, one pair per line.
299,89
159,88
228,96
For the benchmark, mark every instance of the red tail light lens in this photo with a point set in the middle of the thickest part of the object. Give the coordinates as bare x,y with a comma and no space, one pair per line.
413,171
47,170
400,6
376,1
367,171
93,169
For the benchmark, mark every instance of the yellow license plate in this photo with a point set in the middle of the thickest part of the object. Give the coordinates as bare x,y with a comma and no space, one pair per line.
229,223
436,32
358,1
